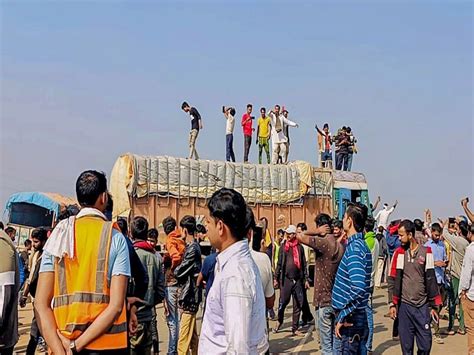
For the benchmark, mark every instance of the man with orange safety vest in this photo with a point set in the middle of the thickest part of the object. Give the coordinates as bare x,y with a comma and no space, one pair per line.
83,278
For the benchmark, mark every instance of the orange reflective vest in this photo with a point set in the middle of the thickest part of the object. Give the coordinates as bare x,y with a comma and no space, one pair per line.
81,288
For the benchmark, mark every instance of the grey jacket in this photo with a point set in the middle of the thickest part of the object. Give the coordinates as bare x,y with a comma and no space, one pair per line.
156,283
10,274
458,249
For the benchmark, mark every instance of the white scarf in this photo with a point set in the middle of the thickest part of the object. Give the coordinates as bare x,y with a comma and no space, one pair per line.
61,241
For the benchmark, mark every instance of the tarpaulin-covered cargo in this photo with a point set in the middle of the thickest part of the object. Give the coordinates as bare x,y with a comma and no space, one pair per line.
136,177
159,186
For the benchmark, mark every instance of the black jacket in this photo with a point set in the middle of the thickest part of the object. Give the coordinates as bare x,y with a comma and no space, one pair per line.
186,273
138,283
280,271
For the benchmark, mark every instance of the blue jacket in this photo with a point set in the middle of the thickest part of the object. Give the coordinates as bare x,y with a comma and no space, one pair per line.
392,242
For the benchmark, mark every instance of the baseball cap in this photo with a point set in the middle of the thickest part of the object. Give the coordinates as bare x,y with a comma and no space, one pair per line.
291,229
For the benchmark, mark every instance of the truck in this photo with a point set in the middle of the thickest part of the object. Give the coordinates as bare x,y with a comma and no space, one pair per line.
28,210
159,186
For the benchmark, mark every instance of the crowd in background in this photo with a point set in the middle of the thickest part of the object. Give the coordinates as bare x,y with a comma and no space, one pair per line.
95,284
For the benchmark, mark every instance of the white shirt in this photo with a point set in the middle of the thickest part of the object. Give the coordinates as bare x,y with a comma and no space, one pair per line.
229,127
234,321
467,273
383,216
279,137
265,269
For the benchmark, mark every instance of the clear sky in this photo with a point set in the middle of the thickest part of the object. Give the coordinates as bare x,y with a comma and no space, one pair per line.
83,82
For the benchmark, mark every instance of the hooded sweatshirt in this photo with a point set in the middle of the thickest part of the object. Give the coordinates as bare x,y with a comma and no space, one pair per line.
373,245
176,246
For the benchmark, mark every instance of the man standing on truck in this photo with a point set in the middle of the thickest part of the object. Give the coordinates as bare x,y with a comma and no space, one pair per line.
279,140
196,126
247,127
263,135
229,114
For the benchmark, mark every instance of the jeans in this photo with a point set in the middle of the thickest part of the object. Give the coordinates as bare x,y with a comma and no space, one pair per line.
326,155
326,328
370,323
354,338
341,161
172,318
229,148
349,161
247,143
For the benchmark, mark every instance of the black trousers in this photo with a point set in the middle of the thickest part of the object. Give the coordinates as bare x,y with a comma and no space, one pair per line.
291,289
306,316
247,144
414,322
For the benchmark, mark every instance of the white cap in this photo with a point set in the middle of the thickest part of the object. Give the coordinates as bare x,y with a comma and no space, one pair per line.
291,229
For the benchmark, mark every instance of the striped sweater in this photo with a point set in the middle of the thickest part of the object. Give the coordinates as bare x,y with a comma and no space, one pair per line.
352,286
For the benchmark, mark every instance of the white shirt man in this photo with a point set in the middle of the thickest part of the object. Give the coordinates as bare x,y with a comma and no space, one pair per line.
229,127
279,140
383,216
234,321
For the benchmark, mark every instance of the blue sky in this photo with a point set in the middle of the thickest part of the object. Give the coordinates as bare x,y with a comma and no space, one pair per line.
83,82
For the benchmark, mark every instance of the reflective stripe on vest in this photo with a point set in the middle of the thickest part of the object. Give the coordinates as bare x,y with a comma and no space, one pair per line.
80,297
114,329
82,290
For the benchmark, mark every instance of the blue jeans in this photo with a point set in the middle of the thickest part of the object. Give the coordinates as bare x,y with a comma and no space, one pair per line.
354,338
229,147
325,317
172,319
370,323
326,155
349,161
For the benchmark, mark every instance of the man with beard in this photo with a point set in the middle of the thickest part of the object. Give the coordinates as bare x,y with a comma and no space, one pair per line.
414,291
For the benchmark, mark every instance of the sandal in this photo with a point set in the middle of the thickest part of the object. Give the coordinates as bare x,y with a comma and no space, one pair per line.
462,332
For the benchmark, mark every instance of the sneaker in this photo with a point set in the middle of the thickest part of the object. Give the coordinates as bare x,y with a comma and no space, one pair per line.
438,340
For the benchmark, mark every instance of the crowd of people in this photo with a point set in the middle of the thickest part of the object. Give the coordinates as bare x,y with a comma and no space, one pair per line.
95,284
273,137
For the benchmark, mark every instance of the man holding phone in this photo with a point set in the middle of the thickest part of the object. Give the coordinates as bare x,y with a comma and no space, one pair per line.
440,261
247,127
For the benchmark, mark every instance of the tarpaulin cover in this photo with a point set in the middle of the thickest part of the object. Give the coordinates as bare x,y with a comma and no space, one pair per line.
51,201
135,176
